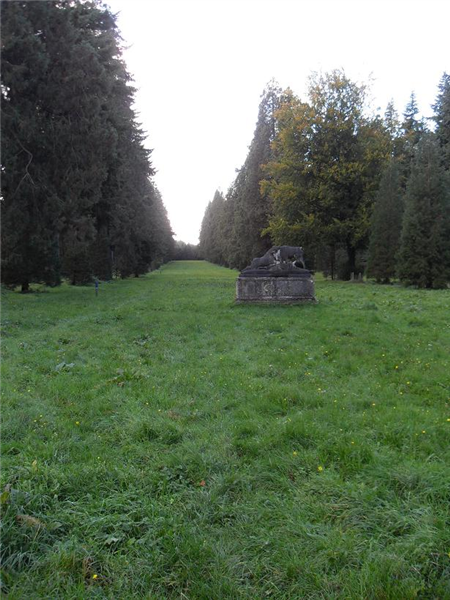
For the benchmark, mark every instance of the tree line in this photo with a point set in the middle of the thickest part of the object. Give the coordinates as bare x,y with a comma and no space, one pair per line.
361,192
185,251
79,198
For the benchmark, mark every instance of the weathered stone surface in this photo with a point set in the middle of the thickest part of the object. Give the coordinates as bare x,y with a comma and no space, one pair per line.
276,261
279,276
285,290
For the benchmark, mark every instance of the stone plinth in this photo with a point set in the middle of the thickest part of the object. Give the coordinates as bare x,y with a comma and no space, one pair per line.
277,290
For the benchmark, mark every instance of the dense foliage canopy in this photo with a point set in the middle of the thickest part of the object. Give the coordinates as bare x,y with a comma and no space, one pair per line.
331,176
79,199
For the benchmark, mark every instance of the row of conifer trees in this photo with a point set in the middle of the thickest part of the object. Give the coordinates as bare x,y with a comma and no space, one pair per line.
79,200
359,191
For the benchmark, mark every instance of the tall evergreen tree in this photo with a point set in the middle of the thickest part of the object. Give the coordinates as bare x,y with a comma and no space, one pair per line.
386,225
30,208
211,245
424,256
76,174
393,129
250,203
442,118
412,130
226,236
83,115
159,241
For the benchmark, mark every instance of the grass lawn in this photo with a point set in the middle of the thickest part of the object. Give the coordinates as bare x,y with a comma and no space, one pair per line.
160,441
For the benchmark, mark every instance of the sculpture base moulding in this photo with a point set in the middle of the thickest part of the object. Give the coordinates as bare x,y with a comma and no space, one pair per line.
277,290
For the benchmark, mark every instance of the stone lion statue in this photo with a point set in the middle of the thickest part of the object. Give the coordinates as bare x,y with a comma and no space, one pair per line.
279,257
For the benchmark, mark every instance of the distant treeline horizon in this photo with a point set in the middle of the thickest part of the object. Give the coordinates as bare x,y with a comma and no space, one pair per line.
362,193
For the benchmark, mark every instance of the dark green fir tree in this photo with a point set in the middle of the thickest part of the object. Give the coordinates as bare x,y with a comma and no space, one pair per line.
412,130
76,176
30,205
251,204
211,241
392,126
386,225
423,259
442,118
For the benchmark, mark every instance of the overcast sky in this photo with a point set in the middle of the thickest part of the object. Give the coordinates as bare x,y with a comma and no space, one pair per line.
200,67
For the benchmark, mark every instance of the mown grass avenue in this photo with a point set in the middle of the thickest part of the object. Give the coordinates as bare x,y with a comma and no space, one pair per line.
160,441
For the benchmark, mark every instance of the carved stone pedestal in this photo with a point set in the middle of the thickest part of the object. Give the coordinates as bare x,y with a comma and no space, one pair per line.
276,290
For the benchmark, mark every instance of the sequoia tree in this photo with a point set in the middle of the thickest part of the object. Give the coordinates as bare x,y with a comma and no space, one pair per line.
233,227
250,203
210,232
424,257
76,176
412,130
442,118
386,225
31,206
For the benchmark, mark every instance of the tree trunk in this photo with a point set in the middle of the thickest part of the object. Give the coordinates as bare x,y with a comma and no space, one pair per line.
351,265
332,262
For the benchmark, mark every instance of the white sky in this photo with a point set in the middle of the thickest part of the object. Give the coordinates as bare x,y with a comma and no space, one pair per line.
200,67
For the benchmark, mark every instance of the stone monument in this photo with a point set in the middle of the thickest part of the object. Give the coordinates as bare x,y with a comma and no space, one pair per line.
278,277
